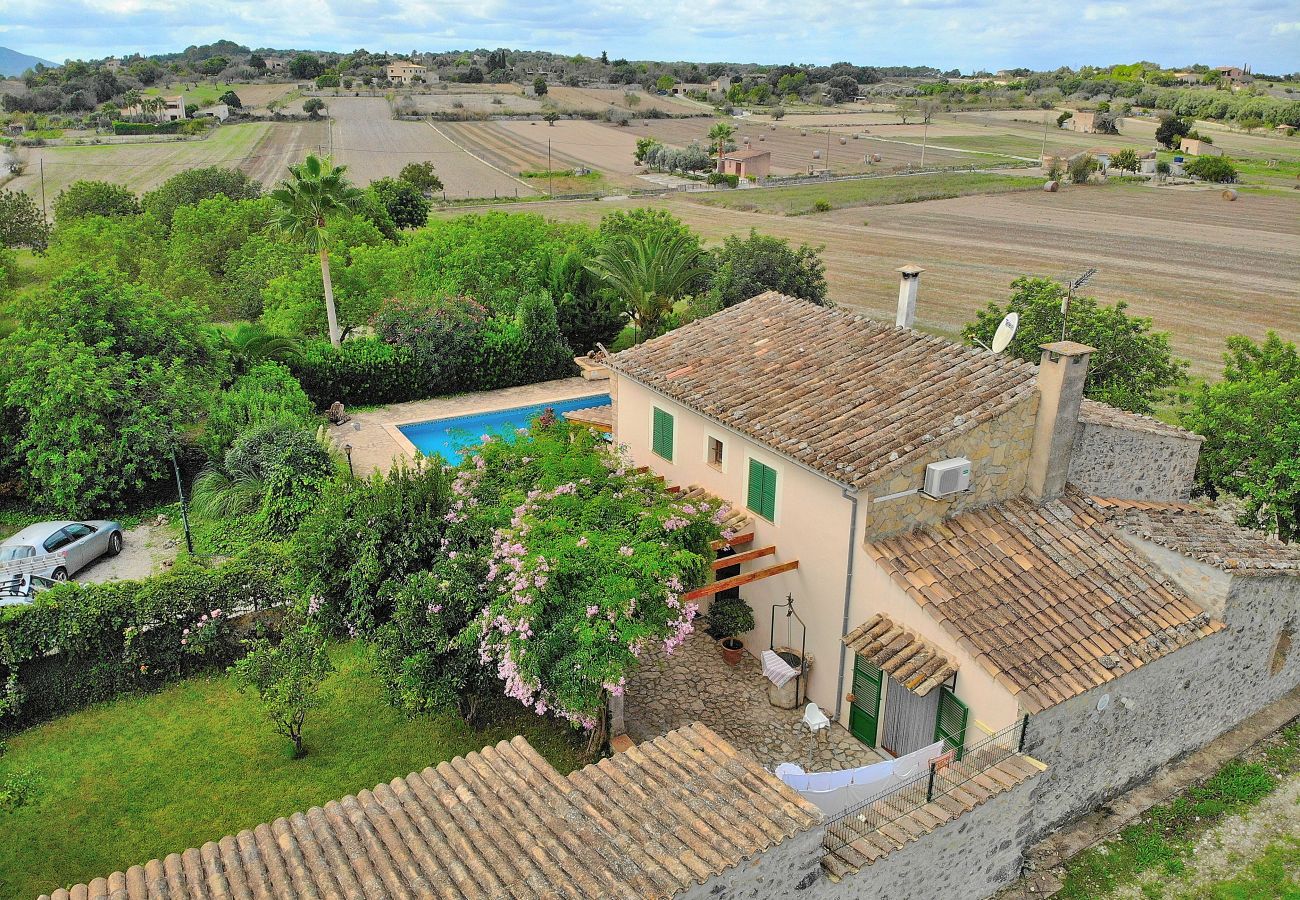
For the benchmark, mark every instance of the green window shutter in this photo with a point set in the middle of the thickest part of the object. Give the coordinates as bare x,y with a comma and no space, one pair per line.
950,724
761,494
661,439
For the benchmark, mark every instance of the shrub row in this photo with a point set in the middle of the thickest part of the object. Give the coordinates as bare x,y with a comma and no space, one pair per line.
177,127
83,643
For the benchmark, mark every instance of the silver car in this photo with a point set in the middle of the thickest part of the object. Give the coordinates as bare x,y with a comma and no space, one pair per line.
72,546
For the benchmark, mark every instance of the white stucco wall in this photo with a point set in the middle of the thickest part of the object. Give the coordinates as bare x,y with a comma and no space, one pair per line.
811,524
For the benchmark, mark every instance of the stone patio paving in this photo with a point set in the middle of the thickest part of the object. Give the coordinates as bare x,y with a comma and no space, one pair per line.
376,445
694,684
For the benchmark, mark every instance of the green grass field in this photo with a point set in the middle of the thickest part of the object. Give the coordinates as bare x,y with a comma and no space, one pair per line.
136,779
1010,145
801,199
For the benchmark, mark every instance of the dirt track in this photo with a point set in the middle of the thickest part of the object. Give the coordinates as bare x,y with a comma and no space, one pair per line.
1201,267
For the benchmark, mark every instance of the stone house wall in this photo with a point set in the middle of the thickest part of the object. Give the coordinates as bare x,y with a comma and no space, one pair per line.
999,454
968,858
1135,465
1100,743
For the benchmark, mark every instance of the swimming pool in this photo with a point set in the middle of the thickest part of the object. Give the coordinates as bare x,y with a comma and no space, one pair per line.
449,436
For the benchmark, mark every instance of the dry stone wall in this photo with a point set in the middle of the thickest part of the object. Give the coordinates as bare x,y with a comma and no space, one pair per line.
1135,465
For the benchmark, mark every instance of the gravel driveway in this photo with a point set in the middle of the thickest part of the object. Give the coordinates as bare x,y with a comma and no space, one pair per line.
144,551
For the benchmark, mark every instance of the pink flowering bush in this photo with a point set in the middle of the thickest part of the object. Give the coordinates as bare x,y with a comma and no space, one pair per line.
587,565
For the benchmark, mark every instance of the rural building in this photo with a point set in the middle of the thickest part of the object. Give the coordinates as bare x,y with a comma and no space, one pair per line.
404,72
721,84
683,88
1235,75
1083,122
113,64
218,111
276,63
1198,147
1187,77
746,163
1037,550
173,109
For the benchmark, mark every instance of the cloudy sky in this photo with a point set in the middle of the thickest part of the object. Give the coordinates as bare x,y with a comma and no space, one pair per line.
965,34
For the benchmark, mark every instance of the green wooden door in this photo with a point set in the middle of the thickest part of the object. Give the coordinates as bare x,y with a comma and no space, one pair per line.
864,713
950,723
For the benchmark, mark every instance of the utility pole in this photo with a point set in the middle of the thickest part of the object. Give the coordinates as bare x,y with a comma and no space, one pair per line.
828,152
44,214
925,134
1043,153
550,192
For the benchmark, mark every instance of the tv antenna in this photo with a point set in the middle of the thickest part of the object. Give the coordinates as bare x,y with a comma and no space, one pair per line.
1069,296
1002,337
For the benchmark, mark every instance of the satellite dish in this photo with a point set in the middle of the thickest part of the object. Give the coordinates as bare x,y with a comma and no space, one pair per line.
1006,331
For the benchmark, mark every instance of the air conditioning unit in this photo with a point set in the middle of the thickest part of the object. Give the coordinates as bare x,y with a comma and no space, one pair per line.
947,477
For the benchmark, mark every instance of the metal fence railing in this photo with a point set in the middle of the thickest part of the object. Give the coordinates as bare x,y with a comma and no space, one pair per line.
956,767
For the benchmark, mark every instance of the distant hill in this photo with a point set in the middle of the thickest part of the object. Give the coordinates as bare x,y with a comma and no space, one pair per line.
14,63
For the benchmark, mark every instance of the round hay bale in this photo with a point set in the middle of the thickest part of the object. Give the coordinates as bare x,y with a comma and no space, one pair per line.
771,127
1229,194
746,140
875,157
817,154
803,132
1052,187
762,137
843,141
855,137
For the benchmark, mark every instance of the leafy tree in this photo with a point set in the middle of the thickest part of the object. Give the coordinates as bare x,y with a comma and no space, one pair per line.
231,99
315,192
287,677
1172,130
1082,167
267,392
746,267
1105,122
312,106
643,147
328,80
305,66
551,117
191,186
22,224
257,62
473,75
1251,423
587,313
101,378
94,198
405,204
539,86
1211,168
364,533
1126,160
665,82
841,89
649,273
422,176
1133,365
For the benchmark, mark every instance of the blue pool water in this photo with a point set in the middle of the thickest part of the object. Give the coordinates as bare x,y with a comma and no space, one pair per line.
449,436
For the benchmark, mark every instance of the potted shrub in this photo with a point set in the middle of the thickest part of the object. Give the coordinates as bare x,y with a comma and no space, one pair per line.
728,617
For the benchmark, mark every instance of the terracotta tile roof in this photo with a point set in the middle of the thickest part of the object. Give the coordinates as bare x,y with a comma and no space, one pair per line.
1093,413
600,416
502,823
1193,532
844,395
1049,598
746,154
873,844
910,660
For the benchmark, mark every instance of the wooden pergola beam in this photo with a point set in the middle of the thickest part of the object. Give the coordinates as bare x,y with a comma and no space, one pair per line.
740,580
739,540
728,561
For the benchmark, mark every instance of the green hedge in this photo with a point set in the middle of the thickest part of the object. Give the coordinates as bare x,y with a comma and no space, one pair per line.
180,126
83,643
503,353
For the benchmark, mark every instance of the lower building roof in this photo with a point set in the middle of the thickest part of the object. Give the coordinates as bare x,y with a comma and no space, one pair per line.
1048,598
910,660
501,823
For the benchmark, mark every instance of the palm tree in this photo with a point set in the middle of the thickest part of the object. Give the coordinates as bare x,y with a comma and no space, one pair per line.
650,273
719,134
303,205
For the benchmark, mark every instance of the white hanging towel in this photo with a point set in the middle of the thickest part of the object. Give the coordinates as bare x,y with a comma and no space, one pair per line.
777,670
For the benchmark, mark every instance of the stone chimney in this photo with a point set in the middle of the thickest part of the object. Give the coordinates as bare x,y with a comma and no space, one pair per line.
910,280
1060,387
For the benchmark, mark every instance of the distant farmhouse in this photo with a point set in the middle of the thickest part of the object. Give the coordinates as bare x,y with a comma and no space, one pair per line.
173,110
406,72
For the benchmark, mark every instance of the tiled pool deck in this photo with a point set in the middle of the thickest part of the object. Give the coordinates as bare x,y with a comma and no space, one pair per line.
377,444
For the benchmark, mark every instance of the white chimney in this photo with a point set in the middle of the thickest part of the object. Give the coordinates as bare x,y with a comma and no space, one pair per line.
910,280
1061,374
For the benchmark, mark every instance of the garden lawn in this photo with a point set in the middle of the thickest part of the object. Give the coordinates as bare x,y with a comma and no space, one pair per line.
801,199
144,776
